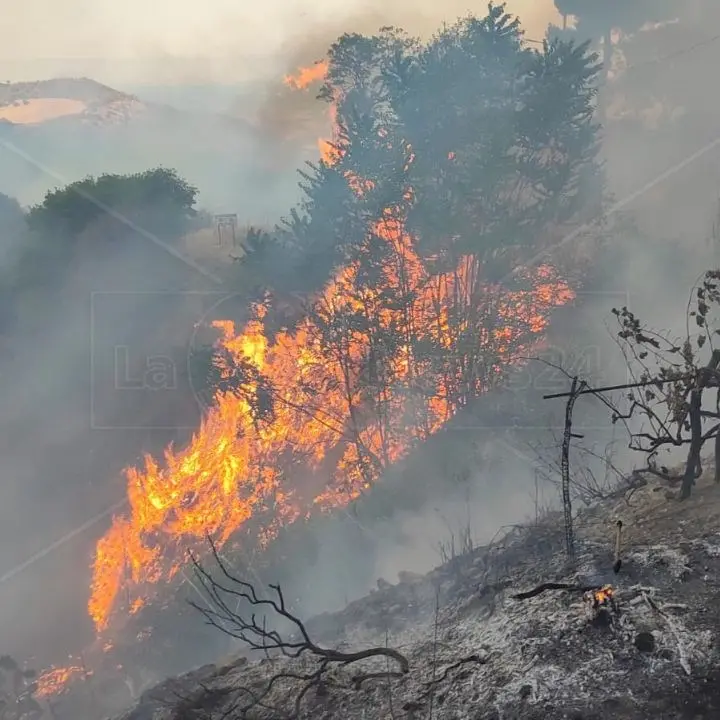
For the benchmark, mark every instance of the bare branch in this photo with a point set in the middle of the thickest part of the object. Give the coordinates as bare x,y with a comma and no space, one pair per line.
231,605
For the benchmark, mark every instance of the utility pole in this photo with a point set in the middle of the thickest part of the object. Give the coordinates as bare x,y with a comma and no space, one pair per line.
226,224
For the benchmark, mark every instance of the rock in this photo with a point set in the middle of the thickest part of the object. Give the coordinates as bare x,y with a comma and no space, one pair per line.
525,692
645,642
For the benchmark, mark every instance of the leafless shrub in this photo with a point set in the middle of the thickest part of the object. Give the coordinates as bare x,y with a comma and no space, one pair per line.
232,606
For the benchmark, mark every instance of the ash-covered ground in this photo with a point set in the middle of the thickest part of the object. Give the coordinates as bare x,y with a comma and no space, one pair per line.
477,653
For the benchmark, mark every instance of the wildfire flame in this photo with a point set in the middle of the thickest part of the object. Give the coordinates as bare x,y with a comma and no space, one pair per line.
307,76
55,681
233,469
603,596
302,80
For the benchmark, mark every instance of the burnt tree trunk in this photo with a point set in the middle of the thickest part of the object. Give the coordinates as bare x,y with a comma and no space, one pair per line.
693,466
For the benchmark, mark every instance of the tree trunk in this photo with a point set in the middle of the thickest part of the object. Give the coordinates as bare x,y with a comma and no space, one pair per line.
604,92
693,459
693,466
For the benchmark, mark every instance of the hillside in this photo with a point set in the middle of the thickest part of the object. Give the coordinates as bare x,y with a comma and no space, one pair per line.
57,131
80,100
476,652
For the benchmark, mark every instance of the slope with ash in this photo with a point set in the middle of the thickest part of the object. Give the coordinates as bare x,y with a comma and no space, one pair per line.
477,652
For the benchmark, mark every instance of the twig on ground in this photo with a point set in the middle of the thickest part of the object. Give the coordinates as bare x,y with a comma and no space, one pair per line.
258,636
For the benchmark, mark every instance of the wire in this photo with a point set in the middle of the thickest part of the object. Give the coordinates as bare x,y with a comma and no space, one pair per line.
657,60
673,55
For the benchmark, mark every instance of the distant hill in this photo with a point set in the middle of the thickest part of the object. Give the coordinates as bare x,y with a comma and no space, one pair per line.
53,132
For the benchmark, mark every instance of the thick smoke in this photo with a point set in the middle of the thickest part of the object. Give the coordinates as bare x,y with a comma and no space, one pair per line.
218,41
664,181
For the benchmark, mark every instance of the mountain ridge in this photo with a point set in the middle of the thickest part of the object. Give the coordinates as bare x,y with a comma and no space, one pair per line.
61,130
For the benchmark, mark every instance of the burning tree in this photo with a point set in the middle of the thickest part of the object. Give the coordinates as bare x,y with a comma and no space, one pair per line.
451,164
669,406
412,268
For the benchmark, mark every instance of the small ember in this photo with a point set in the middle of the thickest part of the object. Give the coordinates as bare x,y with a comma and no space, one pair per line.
604,596
56,680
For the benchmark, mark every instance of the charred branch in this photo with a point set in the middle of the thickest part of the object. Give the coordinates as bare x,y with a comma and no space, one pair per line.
227,596
431,685
568,587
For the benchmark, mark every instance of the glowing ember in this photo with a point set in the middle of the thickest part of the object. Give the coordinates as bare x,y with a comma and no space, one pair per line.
603,596
57,680
234,469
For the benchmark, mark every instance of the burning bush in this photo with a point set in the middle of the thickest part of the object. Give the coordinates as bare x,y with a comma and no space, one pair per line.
414,258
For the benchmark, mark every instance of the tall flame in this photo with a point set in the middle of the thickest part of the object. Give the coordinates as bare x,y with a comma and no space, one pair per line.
232,475
305,77
302,80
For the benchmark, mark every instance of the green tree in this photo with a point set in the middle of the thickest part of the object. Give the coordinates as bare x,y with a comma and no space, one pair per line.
72,220
157,200
13,234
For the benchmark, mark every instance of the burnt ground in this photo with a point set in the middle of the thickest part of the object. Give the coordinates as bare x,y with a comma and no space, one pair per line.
476,653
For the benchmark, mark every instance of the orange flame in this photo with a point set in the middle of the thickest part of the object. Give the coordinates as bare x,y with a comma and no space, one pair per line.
307,76
604,595
237,469
301,80
56,681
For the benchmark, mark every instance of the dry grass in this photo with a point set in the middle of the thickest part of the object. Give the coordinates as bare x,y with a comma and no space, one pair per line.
653,512
39,110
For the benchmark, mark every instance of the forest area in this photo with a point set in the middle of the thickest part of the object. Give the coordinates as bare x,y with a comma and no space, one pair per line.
461,205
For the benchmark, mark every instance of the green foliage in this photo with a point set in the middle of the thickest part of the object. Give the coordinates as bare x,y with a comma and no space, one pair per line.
158,201
40,246
494,140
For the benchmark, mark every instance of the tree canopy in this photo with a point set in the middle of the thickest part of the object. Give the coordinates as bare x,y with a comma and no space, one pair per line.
480,144
12,220
411,259
158,200
40,245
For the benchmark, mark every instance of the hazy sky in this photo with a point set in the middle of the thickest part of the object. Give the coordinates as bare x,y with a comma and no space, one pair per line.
45,37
